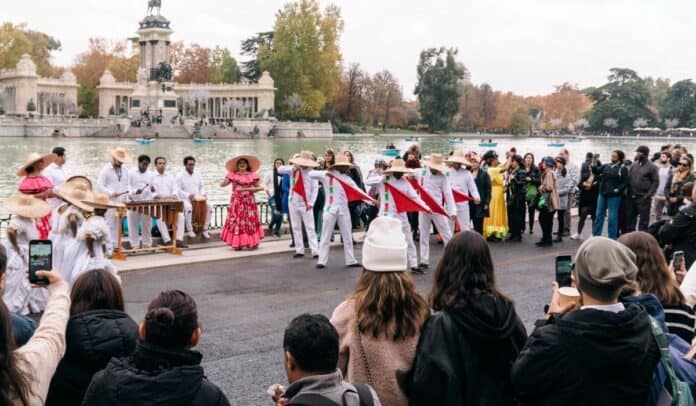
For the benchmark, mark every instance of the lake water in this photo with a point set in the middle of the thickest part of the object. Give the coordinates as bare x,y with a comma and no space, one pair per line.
86,156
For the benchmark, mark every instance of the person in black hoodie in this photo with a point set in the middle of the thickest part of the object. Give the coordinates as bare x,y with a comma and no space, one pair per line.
467,347
602,354
163,370
98,330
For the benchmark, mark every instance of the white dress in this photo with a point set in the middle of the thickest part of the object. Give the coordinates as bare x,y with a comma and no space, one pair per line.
19,297
96,227
61,235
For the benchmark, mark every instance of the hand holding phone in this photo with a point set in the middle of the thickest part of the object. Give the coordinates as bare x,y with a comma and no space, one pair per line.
563,270
40,259
677,260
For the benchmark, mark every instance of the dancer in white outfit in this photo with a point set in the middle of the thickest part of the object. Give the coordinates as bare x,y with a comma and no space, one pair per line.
462,181
191,187
113,181
300,206
19,297
56,173
72,215
165,188
140,189
336,210
394,176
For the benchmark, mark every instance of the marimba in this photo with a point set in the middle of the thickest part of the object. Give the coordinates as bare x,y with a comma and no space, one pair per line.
166,210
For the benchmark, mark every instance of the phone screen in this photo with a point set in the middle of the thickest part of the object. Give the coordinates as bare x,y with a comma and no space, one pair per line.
677,259
563,270
40,259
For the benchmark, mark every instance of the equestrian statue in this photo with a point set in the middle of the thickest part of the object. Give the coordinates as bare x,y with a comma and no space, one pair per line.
152,5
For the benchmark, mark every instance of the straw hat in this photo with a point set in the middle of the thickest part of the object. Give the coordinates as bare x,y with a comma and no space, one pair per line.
384,248
437,162
120,154
342,160
397,166
254,163
305,159
75,193
33,159
79,181
27,206
459,157
101,201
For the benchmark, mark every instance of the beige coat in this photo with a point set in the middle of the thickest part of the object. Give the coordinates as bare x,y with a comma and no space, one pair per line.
388,361
39,357
548,185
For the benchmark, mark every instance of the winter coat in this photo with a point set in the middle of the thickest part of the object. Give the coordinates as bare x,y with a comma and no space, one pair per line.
644,179
673,188
388,361
680,233
613,179
483,184
465,354
331,386
564,186
588,357
154,375
548,187
39,357
92,338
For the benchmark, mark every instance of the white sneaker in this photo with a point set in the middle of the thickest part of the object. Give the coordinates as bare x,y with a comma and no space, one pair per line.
191,234
575,236
206,235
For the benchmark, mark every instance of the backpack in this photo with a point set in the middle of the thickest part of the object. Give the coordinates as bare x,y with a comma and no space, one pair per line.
681,393
315,399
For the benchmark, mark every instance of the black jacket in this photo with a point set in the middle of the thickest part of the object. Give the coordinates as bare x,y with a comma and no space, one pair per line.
613,179
154,376
588,357
644,179
680,233
515,192
483,184
464,355
92,339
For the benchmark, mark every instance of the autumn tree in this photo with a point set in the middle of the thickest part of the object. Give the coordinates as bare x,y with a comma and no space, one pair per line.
303,56
386,95
16,40
224,67
438,88
195,65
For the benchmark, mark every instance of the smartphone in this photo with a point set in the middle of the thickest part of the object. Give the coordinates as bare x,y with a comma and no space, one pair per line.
563,270
40,259
677,260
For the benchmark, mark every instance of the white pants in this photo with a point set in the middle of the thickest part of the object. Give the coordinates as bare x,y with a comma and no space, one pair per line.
462,217
164,231
299,216
112,222
188,210
410,245
442,224
146,228
346,228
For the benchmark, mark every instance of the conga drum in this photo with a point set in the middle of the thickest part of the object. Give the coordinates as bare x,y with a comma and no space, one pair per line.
199,210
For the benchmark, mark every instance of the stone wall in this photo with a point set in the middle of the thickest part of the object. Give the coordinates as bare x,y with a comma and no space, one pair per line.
19,127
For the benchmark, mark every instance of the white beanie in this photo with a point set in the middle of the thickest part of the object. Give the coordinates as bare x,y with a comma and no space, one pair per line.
384,248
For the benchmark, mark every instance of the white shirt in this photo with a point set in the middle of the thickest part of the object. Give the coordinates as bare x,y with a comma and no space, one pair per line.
688,286
437,186
387,206
140,180
189,185
311,186
165,186
333,188
463,181
613,308
57,175
110,182
268,183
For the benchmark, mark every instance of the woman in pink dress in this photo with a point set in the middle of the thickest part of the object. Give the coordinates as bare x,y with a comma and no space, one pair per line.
35,184
243,227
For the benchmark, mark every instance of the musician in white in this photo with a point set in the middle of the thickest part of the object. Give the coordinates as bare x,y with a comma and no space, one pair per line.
300,210
462,181
57,175
395,176
165,188
336,210
113,181
190,185
432,178
140,189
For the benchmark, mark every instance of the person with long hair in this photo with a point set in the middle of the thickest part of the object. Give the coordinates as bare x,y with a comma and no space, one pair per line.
379,323
613,183
515,195
36,184
468,346
589,193
655,277
98,330
533,178
480,210
547,201
675,183
164,368
564,187
495,227
243,227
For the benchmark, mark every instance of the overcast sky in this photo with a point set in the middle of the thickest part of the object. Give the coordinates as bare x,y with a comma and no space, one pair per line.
526,46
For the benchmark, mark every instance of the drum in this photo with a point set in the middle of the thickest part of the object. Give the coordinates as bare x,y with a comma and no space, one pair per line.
199,210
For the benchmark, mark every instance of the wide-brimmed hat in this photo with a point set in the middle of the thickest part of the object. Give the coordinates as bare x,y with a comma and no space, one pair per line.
75,193
120,154
101,201
79,181
459,157
33,159
342,160
437,162
27,206
384,248
254,163
397,166
304,159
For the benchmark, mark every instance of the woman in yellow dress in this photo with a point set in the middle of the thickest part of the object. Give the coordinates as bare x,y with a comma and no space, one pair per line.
495,226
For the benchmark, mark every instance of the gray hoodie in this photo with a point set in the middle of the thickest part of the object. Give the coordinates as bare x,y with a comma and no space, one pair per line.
331,386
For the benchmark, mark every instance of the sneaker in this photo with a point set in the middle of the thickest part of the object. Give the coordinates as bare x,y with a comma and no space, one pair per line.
298,255
206,235
191,234
166,243
181,244
575,236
